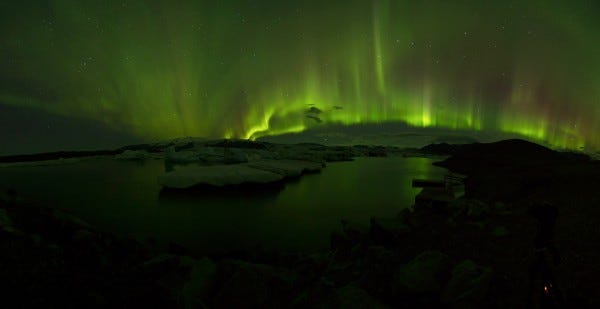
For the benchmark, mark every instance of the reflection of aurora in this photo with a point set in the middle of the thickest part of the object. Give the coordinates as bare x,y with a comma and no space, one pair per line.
246,70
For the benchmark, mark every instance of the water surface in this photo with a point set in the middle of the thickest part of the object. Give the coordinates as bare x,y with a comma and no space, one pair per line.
124,198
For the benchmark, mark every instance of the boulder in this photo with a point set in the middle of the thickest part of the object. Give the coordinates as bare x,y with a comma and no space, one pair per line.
478,209
320,294
83,235
379,265
352,296
8,197
186,280
68,221
355,231
385,230
467,286
6,223
340,243
310,267
197,289
249,285
422,275
500,231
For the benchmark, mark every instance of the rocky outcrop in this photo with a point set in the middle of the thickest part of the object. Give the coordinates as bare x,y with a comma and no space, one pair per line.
467,286
422,276
503,154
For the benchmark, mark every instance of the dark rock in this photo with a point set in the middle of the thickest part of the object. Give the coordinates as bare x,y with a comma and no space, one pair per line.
478,209
187,281
387,230
352,296
321,294
8,197
248,285
83,235
354,231
406,217
468,285
177,249
434,198
378,266
421,276
6,224
196,291
340,244
310,267
500,231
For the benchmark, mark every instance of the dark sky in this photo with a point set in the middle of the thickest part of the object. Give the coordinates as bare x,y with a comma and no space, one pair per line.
26,130
114,71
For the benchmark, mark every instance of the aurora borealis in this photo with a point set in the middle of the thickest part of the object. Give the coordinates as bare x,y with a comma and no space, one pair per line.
163,69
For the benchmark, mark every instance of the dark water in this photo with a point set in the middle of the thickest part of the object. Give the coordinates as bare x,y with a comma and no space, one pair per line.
123,197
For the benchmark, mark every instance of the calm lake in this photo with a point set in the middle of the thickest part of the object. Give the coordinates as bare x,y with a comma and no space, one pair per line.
124,198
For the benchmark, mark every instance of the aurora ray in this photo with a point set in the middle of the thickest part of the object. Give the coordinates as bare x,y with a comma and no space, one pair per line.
162,69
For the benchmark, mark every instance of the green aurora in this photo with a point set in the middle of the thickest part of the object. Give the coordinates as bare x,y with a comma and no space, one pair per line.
163,69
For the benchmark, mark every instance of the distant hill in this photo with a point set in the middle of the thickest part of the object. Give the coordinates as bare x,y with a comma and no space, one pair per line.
512,152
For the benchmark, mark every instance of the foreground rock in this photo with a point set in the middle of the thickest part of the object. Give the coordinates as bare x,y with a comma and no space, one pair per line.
468,285
421,277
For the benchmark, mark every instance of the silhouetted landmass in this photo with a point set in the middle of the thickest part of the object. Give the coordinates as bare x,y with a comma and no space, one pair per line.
552,187
57,155
77,154
244,144
470,157
443,149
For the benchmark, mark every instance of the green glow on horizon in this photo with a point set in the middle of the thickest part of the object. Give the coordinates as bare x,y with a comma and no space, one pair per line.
243,70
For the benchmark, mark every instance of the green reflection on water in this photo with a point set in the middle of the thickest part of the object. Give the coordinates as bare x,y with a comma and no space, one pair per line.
123,197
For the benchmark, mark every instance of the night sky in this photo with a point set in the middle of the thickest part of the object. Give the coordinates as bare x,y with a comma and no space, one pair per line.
244,69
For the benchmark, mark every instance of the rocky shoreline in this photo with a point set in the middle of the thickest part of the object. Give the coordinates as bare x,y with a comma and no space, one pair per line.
498,246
